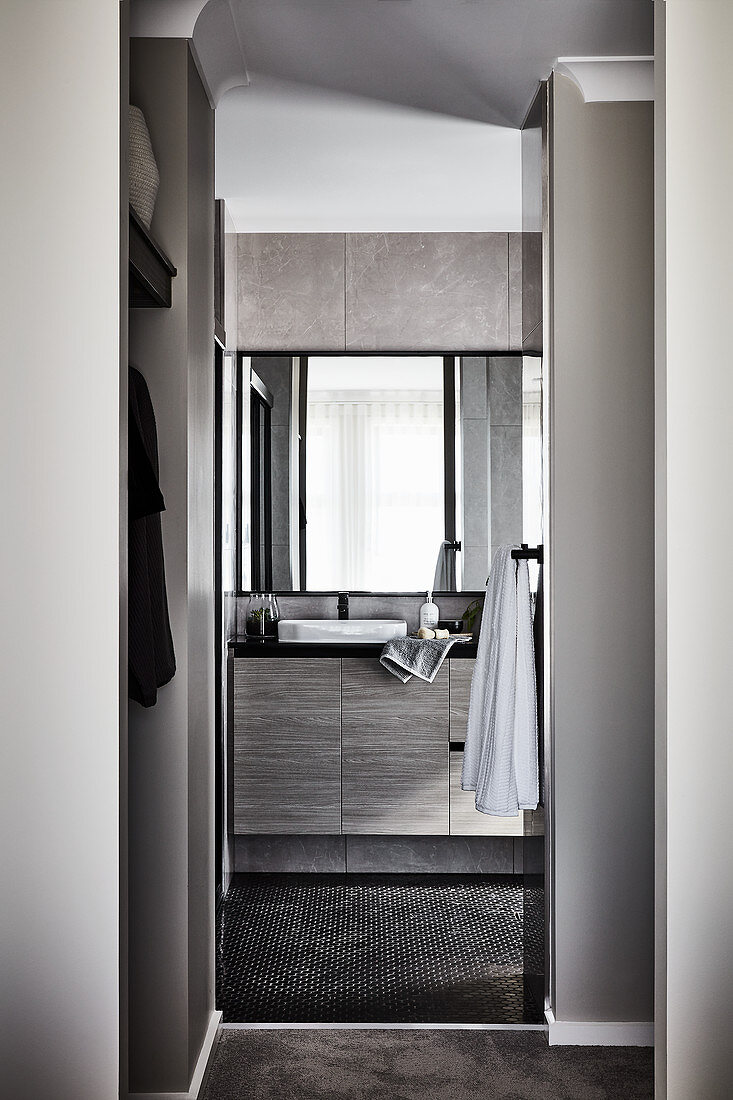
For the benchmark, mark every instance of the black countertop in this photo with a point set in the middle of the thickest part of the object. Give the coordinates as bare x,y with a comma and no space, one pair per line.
245,647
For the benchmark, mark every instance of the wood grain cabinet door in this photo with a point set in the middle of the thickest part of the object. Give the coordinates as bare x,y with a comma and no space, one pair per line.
287,745
460,692
394,751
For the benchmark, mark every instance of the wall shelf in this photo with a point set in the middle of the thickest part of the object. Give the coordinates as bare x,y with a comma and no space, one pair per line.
150,269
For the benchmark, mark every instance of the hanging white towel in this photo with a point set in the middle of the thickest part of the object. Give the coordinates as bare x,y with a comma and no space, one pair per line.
500,760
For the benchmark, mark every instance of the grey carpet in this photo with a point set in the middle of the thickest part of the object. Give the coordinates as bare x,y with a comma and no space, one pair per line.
421,1065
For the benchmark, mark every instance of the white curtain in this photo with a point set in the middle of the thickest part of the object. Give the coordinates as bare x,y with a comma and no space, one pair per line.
374,489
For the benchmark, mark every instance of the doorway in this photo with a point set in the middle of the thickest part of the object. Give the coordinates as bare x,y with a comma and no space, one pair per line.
363,918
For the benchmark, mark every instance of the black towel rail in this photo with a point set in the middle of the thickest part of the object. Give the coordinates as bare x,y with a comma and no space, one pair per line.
528,554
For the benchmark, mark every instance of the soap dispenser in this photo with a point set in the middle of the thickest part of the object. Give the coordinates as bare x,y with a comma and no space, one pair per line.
429,612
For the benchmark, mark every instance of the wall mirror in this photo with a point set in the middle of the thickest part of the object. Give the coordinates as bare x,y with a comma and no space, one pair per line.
376,473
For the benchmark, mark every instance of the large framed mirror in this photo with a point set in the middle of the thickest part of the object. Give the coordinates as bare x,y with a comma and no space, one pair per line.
386,473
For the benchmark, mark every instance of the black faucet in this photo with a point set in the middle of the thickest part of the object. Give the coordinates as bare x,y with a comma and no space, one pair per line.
343,605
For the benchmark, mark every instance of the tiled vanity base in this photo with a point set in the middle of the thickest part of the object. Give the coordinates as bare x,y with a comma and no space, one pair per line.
373,949
380,854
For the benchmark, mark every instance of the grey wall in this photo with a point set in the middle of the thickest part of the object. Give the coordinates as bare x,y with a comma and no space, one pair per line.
601,561
660,564
171,745
696,426
379,291
60,550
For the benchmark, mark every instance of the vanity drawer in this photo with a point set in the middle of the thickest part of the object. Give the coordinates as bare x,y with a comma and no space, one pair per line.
460,693
394,752
287,746
465,819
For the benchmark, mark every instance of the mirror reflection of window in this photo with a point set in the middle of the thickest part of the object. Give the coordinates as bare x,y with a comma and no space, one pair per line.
374,470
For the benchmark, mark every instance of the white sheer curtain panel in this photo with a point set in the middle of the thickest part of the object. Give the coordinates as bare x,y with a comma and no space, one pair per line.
374,489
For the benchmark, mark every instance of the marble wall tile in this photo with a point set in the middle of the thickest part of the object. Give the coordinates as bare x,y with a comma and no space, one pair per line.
387,607
291,291
231,278
475,474
281,575
284,854
531,282
280,485
474,381
297,605
534,855
475,566
305,605
506,486
476,482
515,291
505,390
378,854
453,606
430,855
427,291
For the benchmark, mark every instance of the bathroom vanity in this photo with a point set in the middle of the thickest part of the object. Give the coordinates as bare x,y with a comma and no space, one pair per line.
327,742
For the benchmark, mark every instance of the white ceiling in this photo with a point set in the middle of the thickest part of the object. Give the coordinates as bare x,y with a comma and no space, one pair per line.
477,59
295,159
394,115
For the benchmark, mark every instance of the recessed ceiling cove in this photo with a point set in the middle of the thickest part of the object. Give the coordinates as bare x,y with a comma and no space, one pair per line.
388,115
474,59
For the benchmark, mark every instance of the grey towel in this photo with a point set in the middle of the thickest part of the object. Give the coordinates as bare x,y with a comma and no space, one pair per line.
421,657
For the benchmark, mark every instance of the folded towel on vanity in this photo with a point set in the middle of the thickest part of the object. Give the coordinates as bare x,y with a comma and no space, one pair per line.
500,761
421,657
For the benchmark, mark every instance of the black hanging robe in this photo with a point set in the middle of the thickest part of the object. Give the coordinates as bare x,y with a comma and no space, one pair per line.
152,662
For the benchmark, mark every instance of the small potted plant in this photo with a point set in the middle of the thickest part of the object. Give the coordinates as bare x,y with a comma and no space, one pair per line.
262,616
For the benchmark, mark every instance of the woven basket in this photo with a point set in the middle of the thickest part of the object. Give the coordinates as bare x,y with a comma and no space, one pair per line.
144,175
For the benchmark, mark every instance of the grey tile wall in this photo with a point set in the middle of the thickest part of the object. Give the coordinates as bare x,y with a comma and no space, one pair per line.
231,278
505,415
387,291
426,291
531,284
515,291
431,854
475,479
505,391
307,605
282,854
291,291
379,854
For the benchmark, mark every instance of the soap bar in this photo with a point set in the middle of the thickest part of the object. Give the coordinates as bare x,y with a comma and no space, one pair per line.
425,632
442,633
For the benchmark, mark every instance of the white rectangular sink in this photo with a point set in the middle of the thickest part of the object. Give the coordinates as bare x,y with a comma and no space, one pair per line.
340,630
